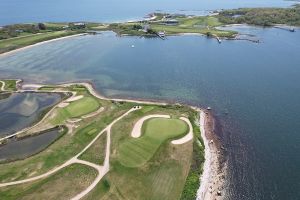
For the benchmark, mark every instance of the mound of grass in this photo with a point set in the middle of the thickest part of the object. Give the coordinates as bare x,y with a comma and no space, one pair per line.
77,108
58,186
136,152
96,153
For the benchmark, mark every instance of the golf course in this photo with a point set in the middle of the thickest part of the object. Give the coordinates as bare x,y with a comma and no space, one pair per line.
106,149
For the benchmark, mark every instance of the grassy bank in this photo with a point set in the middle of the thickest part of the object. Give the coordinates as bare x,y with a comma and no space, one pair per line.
67,146
96,153
19,42
206,25
9,84
58,186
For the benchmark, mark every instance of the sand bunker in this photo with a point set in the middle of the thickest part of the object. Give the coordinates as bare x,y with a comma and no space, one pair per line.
74,98
62,105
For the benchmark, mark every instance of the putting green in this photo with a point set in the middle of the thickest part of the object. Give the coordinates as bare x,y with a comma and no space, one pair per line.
135,152
77,109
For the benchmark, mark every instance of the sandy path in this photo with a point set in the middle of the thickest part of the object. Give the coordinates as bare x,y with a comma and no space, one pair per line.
101,169
137,129
188,136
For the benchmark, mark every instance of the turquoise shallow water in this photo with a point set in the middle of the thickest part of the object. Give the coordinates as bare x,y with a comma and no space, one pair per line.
258,86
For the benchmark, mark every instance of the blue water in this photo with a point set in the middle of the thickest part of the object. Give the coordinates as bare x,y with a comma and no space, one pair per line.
17,113
20,149
258,86
22,11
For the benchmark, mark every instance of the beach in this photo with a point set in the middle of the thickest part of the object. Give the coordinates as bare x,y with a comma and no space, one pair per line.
39,43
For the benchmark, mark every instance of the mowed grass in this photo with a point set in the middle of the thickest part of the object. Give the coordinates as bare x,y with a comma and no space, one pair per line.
76,108
96,152
58,186
201,25
136,152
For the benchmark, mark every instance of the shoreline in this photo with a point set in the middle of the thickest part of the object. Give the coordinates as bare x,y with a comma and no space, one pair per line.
39,43
212,179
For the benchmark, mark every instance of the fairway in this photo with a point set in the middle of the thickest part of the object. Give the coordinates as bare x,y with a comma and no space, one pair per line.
76,109
135,152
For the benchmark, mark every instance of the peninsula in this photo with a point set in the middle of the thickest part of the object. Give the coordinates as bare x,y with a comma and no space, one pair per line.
111,148
155,25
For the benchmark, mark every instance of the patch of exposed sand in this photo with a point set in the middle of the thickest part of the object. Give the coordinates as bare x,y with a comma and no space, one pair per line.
74,98
63,104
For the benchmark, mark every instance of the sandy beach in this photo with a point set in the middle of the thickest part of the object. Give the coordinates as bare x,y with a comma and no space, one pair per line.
39,43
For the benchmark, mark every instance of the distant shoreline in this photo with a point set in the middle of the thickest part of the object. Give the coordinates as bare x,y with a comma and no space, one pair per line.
39,43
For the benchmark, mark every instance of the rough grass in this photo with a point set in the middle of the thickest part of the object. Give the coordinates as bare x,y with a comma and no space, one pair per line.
136,152
96,153
18,42
64,148
10,85
99,191
58,186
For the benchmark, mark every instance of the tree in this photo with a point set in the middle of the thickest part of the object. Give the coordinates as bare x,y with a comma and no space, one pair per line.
41,26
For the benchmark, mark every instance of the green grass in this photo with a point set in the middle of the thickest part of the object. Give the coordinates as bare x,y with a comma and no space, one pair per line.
47,88
10,85
58,186
206,25
99,191
136,152
18,42
96,153
77,108
161,177
64,148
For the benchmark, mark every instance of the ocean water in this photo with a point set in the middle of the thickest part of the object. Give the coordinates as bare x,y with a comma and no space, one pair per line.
20,11
254,90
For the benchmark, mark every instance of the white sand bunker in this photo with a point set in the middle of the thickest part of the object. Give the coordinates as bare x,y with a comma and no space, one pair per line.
137,129
62,105
74,98
188,136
